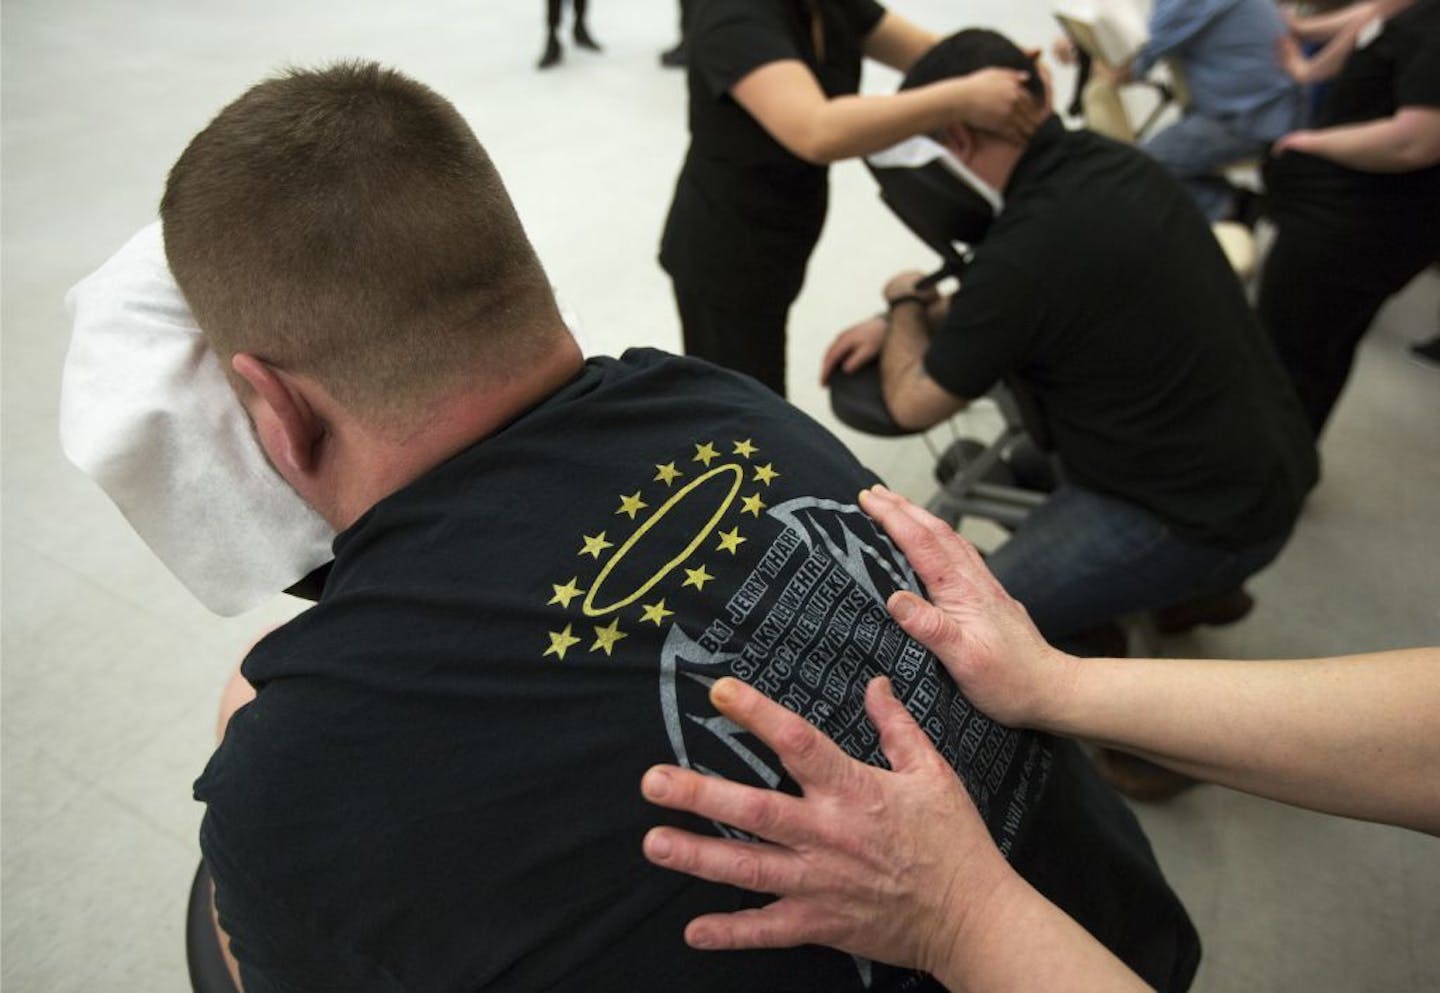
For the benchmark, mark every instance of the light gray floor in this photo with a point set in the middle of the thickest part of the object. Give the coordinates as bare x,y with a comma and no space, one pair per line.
111,671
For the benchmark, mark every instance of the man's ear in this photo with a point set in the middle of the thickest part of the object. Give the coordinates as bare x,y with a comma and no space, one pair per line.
285,422
961,141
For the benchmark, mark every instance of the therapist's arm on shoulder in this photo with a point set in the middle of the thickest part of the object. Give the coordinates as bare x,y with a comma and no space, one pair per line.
787,101
893,865
898,43
1358,736
913,398
1404,142
1323,27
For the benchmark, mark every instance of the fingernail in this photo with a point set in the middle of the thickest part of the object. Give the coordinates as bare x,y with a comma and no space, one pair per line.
700,938
902,606
659,846
724,691
657,784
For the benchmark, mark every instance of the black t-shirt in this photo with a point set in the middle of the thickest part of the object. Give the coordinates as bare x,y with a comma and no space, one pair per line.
436,788
747,212
1101,292
1369,211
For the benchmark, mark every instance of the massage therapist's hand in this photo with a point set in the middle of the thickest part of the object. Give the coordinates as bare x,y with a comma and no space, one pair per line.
982,636
1296,141
995,100
890,865
854,348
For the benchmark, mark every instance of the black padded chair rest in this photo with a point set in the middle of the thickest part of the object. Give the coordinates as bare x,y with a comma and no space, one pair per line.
202,945
859,402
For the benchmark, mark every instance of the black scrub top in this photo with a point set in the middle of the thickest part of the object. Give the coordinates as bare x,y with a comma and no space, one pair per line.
1399,67
747,212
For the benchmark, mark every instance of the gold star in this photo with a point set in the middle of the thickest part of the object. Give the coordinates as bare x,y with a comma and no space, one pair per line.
655,612
560,642
705,453
667,474
730,541
606,637
564,594
631,505
594,546
765,473
745,448
752,505
697,578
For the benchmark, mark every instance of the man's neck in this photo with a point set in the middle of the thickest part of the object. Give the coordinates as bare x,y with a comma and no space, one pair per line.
369,465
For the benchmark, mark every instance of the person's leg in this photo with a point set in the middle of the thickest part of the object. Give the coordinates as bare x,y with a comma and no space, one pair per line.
1317,307
675,58
552,53
751,341
1083,559
1195,149
582,35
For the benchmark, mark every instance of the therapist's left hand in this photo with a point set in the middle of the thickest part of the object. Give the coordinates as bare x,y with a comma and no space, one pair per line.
895,866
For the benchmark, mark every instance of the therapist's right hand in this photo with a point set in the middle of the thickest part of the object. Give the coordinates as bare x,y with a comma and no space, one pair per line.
981,634
996,100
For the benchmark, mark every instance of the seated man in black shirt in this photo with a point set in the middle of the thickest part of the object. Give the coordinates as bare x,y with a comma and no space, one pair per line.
542,565
1100,293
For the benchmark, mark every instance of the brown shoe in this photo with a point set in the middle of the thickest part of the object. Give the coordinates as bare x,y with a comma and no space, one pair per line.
1138,779
1221,608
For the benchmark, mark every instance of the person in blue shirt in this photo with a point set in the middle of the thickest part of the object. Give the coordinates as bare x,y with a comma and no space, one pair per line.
1241,98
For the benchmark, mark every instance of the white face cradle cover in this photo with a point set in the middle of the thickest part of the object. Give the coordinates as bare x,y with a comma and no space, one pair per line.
920,151
146,412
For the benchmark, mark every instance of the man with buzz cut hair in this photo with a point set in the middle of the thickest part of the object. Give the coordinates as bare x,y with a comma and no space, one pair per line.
542,564
1100,294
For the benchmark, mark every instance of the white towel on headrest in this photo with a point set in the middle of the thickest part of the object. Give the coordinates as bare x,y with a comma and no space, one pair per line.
146,412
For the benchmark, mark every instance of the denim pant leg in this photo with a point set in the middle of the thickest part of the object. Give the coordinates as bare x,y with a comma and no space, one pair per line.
1084,558
1195,148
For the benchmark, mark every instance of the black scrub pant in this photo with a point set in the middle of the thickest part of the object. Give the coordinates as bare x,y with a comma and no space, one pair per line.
552,13
1317,303
745,336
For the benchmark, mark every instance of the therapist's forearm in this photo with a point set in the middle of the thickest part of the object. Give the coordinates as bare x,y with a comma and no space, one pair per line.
1322,27
848,126
1406,142
1018,941
1357,736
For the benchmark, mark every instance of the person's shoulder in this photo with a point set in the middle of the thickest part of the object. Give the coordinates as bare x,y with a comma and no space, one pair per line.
711,14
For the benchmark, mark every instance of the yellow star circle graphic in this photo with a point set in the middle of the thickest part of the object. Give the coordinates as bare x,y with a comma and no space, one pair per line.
560,642
606,637
697,578
564,594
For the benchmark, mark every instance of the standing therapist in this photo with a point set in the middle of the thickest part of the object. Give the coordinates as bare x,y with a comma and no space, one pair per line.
773,100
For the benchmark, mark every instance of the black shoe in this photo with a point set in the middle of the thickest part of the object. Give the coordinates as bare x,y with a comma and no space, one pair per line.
674,58
1104,641
1139,779
583,39
1249,207
1426,353
552,55
1216,610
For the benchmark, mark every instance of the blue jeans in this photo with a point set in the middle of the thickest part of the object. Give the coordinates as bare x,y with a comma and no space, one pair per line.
1195,149
1084,558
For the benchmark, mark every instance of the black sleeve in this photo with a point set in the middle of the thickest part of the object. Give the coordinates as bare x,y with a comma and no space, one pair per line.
989,331
1417,80
731,40
277,943
864,15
